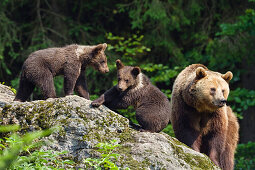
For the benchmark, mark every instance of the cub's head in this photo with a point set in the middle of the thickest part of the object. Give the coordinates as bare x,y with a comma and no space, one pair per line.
94,56
98,58
211,89
128,77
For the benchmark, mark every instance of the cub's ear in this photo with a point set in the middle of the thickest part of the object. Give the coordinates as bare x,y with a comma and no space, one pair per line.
200,72
119,64
227,76
98,48
105,45
136,71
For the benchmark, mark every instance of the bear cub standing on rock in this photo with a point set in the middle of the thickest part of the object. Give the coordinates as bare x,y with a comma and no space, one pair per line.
71,61
199,114
135,89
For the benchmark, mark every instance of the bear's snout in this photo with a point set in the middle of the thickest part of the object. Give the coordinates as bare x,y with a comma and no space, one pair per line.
220,103
106,70
120,88
223,102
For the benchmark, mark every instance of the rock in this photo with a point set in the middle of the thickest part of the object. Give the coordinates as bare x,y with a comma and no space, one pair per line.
6,95
82,127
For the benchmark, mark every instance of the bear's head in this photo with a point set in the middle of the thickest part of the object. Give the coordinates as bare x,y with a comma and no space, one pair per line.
128,77
94,56
98,58
211,89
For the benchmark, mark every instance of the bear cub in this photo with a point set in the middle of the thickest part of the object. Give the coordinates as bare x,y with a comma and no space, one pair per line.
135,89
199,114
71,61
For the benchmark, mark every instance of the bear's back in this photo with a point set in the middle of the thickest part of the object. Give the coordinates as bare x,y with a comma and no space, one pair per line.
51,58
48,55
154,95
153,98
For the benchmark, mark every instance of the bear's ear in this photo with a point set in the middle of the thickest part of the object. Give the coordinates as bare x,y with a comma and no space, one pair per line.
119,64
105,45
136,71
227,76
98,48
200,72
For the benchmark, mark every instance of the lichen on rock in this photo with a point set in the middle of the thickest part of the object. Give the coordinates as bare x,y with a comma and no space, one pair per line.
82,127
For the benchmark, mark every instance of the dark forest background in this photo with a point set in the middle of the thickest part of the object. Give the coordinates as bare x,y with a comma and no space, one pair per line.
160,36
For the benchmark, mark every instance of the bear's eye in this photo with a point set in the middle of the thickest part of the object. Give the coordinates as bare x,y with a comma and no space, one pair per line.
126,81
213,90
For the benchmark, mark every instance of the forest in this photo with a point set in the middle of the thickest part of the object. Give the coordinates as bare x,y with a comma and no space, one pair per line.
162,37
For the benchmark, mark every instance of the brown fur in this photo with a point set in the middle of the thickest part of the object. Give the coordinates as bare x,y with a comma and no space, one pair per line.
200,117
135,89
71,61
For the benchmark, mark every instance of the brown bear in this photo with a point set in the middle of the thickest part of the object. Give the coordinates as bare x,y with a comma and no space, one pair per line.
135,89
199,114
71,61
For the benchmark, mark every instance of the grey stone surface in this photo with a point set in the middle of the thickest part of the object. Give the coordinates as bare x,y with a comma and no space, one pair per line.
82,127
6,95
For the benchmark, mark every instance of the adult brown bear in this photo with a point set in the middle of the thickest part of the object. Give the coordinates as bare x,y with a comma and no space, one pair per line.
199,114
71,61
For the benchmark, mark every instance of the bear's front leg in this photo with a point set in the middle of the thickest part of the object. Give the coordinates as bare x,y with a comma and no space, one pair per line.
215,139
70,78
98,102
215,146
81,86
190,137
107,97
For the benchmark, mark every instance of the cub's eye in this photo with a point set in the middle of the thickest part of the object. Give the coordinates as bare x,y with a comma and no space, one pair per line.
102,62
126,81
223,91
213,90
119,79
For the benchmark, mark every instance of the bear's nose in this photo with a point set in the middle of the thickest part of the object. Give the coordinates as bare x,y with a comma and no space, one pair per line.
120,88
223,102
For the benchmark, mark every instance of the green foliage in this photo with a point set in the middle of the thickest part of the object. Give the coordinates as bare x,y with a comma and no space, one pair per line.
245,156
41,159
234,44
15,151
8,128
160,72
107,157
15,145
129,48
245,23
8,34
169,130
241,99
59,84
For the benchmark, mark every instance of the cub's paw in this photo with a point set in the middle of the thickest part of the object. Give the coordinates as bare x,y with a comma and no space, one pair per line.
95,104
